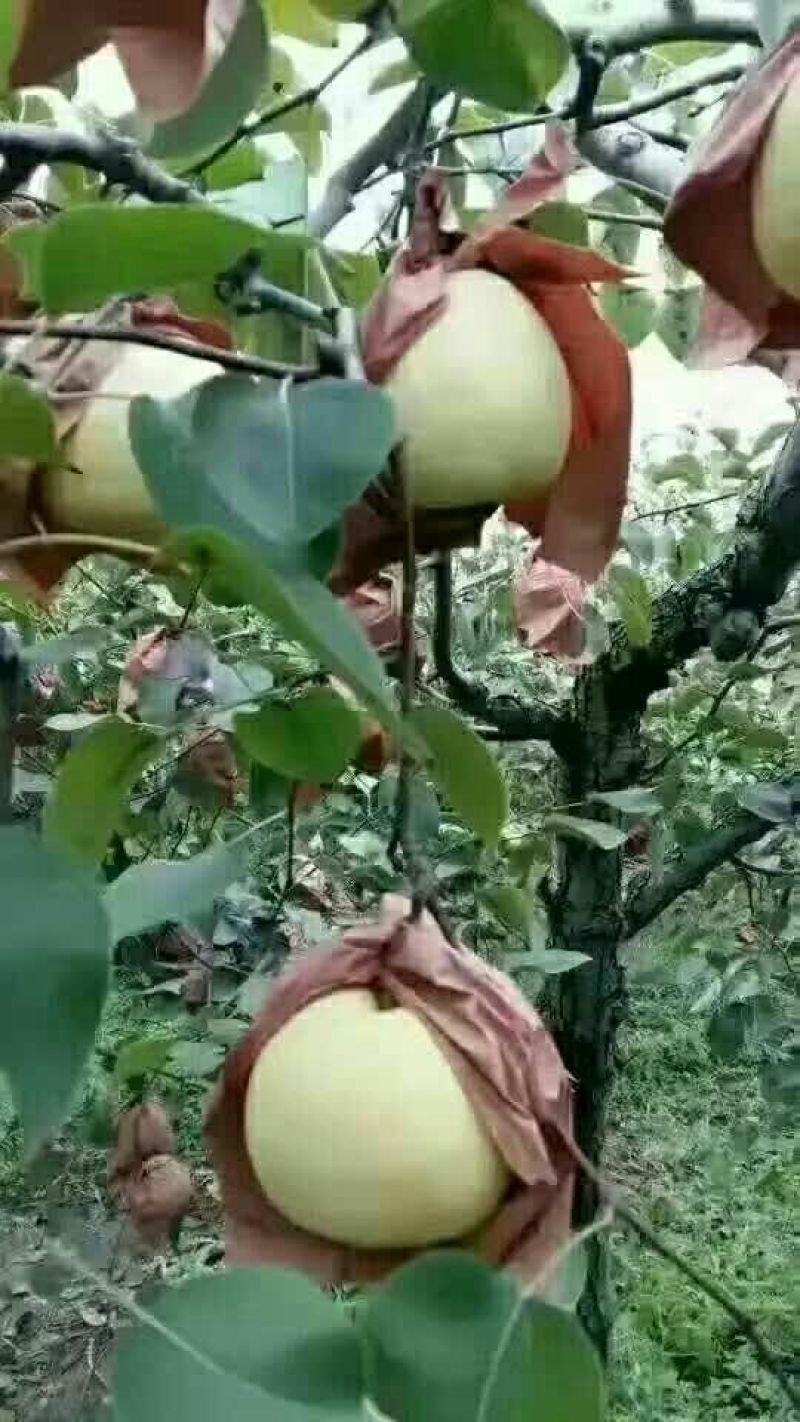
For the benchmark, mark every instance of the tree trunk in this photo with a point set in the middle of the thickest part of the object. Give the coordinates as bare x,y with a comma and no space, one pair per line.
587,1005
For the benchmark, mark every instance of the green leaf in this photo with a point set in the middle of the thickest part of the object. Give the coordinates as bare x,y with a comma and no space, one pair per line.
550,961
227,96
680,52
465,771
94,782
305,610
54,971
196,1059
85,642
243,164
593,832
511,905
619,240
163,891
12,21
303,21
566,1283
686,468
304,124
343,9
98,250
249,1345
561,222
289,464
27,428
400,71
634,603
356,276
636,537
312,738
639,800
141,1056
510,53
449,1340
774,803
679,321
631,311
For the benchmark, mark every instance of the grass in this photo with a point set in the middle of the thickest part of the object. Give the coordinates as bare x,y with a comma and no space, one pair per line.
696,1146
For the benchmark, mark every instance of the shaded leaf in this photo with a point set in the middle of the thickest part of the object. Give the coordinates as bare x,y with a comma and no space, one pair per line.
97,250
679,320
93,784
248,1345
639,800
685,468
27,428
227,96
594,832
399,71
85,642
510,53
196,1058
634,603
465,771
774,803
141,1056
162,891
511,905
631,311
54,971
312,738
449,1340
561,222
620,240
305,610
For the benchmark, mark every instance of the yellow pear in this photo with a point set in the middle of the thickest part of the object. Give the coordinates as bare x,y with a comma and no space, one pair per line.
483,399
99,488
358,1129
776,196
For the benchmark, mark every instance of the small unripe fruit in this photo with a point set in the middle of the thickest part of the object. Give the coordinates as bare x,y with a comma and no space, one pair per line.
103,491
776,196
358,1129
483,399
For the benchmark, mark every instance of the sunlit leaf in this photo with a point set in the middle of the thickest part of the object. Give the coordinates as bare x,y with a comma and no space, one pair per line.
465,771
249,1345
54,970
639,800
94,782
774,803
399,71
311,738
510,53
594,832
27,428
163,891
227,96
302,20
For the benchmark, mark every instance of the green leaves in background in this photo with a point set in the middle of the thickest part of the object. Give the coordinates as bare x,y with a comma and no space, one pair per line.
248,1345
304,609
561,222
227,96
631,310
619,240
93,785
593,832
465,771
312,738
510,53
639,800
27,428
166,891
54,969
96,250
777,804
633,601
12,19
679,320
449,1340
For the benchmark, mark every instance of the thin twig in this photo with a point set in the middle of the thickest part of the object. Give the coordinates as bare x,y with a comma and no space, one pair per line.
772,1361
269,116
128,335
685,507
99,542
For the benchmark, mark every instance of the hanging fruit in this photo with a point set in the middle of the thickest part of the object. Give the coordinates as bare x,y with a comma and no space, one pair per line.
735,218
395,1094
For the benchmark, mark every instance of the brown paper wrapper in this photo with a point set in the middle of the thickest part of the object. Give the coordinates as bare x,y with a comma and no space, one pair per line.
504,1058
